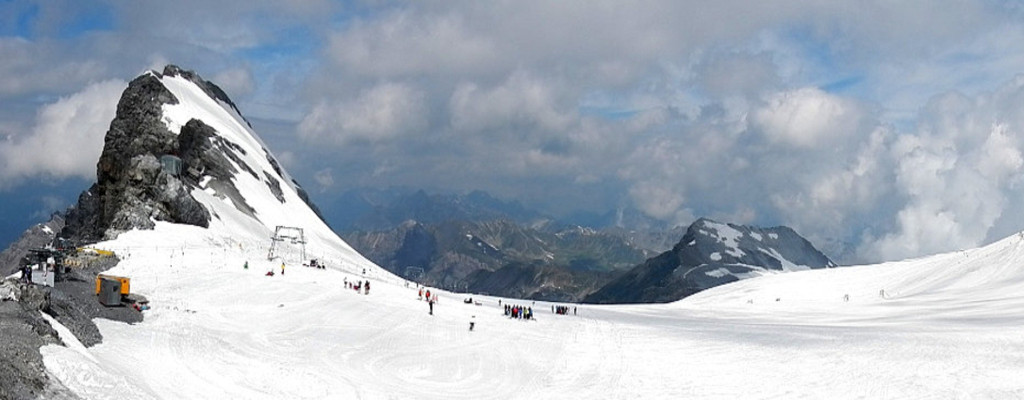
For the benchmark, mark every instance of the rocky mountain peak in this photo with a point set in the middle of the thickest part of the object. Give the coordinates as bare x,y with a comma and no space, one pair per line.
712,253
210,88
156,154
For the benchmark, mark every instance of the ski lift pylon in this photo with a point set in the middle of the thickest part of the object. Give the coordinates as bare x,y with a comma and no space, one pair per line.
295,236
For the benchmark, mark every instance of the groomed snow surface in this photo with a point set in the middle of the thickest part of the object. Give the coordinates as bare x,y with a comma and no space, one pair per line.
948,326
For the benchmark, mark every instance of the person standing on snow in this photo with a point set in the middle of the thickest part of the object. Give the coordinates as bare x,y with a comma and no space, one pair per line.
367,288
282,268
246,265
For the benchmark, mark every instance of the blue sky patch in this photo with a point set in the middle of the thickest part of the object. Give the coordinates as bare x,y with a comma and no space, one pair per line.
95,19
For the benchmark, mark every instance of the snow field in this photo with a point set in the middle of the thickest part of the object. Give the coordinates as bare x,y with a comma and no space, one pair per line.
218,331
229,332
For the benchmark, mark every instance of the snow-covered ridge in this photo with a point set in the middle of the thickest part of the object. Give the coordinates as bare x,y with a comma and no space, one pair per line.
970,277
712,254
731,240
256,180
195,103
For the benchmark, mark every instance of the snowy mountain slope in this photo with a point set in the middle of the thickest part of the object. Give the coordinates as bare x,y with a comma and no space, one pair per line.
948,326
228,181
224,332
976,279
255,180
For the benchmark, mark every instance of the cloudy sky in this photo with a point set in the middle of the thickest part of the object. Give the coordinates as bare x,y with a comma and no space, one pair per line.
878,129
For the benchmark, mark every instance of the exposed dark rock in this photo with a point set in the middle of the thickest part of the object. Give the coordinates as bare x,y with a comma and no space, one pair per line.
273,163
275,186
131,187
305,198
213,157
83,218
34,297
22,332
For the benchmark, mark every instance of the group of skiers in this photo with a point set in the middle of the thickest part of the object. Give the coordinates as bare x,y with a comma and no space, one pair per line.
363,287
431,298
518,312
562,310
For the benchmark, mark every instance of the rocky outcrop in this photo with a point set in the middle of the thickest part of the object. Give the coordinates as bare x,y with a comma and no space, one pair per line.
215,159
132,189
22,332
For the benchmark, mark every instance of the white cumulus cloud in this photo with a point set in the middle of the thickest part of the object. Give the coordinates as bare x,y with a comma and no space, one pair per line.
807,117
959,175
67,137
383,112
522,100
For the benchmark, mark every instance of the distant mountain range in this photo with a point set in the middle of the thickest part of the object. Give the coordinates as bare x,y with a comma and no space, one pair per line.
500,257
371,209
478,244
